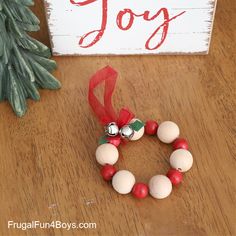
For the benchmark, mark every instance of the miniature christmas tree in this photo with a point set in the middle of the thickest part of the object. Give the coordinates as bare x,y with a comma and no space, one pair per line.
24,63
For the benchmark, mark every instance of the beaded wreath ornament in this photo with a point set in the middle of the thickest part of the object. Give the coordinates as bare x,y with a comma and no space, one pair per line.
125,127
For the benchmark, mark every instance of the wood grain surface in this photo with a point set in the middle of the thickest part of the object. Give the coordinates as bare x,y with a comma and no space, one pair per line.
47,165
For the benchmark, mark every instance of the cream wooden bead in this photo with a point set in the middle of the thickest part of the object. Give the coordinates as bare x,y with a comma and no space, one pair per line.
137,134
181,160
160,186
107,154
123,181
168,131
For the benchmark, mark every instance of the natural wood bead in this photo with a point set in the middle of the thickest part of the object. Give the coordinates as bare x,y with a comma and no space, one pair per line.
123,181
137,134
160,186
168,131
107,154
181,159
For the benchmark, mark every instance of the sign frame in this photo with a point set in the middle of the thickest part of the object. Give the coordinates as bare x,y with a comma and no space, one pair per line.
155,27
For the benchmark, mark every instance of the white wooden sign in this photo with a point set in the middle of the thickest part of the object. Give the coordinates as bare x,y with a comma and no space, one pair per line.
122,27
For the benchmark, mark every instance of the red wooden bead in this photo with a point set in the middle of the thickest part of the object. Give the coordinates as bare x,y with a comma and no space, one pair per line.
114,140
107,172
151,127
140,190
175,176
180,143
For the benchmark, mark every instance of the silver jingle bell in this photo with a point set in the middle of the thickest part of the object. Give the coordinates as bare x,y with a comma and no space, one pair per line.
126,132
112,129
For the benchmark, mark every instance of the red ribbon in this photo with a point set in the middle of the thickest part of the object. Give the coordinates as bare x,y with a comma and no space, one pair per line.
105,112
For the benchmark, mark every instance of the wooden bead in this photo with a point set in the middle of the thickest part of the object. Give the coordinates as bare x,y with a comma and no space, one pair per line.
107,172
107,154
140,190
168,131
181,160
160,186
151,127
180,143
175,176
137,134
123,181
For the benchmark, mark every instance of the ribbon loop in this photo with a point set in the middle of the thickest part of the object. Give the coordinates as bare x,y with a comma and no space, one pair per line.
105,112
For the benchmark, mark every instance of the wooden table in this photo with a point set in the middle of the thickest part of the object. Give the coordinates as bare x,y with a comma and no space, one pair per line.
48,169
